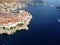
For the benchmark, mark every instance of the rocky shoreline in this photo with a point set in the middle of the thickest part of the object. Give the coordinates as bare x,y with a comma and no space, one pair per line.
25,26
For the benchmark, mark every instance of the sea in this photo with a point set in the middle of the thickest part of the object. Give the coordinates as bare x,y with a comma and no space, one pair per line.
44,28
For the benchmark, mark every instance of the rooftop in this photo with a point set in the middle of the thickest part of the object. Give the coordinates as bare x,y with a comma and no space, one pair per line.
6,18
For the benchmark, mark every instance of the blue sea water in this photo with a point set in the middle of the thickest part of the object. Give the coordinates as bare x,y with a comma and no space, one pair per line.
44,28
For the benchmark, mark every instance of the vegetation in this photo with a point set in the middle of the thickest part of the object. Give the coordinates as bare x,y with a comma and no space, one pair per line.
3,27
19,25
12,27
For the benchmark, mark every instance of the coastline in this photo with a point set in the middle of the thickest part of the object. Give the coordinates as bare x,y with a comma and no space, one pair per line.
11,21
25,26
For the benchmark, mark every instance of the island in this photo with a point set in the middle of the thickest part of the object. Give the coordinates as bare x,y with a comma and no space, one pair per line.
10,22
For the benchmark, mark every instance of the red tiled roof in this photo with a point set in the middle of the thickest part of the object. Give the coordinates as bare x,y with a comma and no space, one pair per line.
12,17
